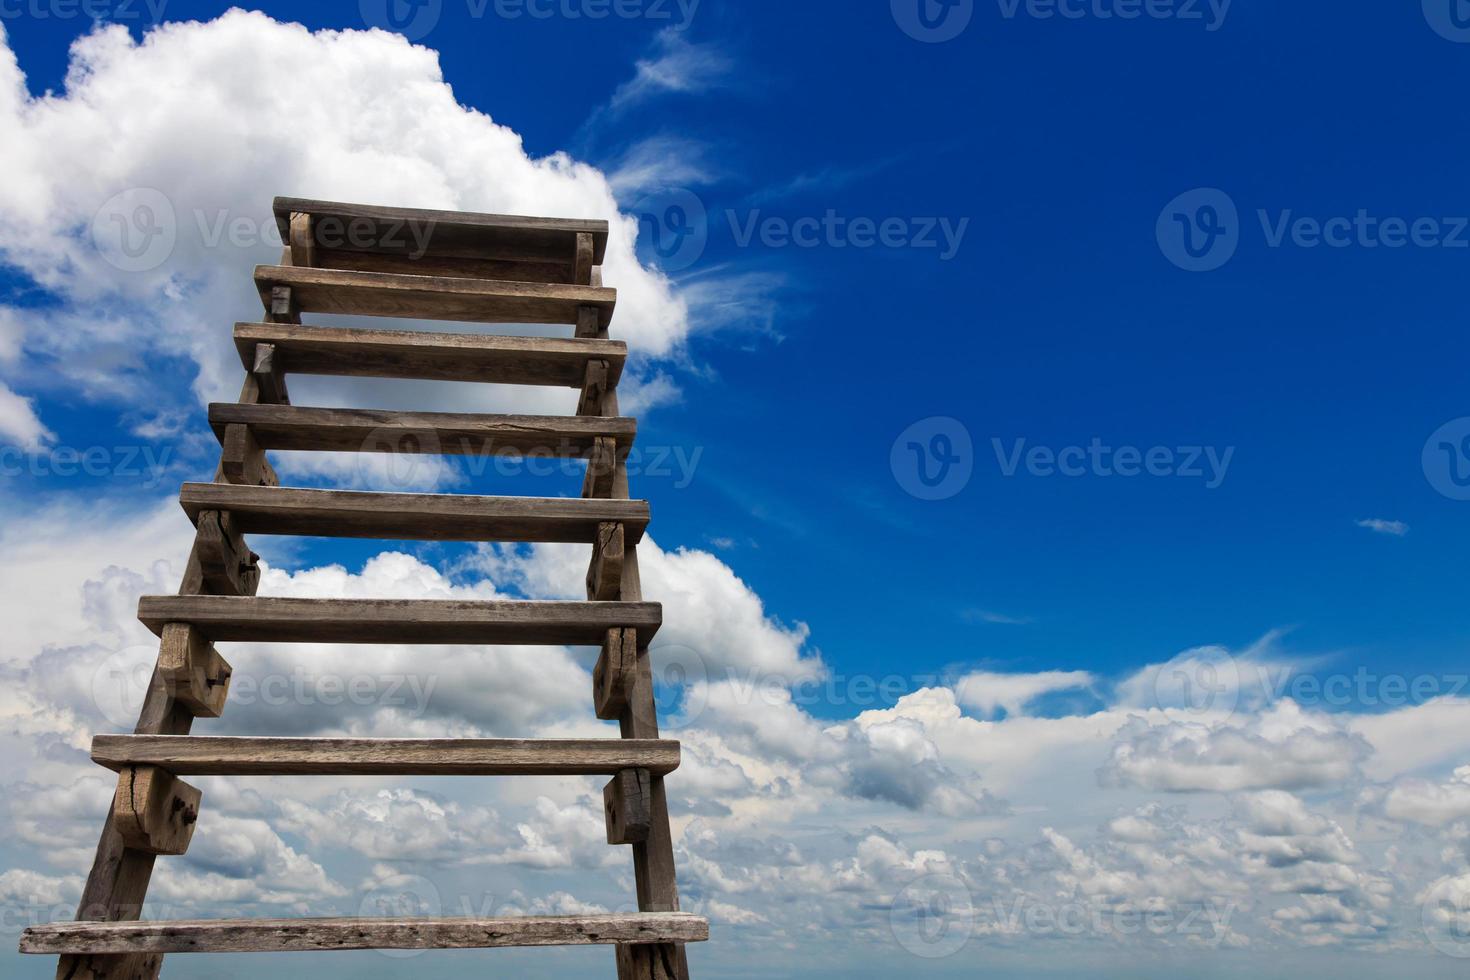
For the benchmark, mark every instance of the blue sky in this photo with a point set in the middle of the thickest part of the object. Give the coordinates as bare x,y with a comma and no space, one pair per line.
1036,176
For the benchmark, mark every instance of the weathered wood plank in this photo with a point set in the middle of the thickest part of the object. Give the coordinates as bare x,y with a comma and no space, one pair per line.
434,231
226,563
613,676
596,381
368,430
602,468
198,676
358,352
154,811
317,935
586,258
354,293
302,240
626,802
242,460
426,621
249,756
270,374
412,516
605,572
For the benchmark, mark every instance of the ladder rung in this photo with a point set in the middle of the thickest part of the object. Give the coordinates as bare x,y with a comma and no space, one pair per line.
220,755
369,430
463,233
430,621
432,297
318,935
351,351
413,516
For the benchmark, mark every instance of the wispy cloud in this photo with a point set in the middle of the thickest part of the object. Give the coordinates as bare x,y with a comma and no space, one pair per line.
677,66
1397,528
999,619
661,162
826,180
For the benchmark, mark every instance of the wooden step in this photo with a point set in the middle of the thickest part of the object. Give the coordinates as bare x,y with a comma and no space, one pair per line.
351,351
318,935
433,297
370,430
433,234
218,755
430,621
413,516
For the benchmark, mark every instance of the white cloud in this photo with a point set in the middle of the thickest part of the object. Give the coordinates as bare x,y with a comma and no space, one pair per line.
1429,803
385,128
678,65
988,692
1283,748
1396,528
19,422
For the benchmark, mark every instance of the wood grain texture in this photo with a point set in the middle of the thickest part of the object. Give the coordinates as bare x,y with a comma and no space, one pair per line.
413,516
613,676
446,433
155,811
427,621
270,375
226,563
241,756
450,231
626,803
308,935
353,293
605,572
436,356
198,676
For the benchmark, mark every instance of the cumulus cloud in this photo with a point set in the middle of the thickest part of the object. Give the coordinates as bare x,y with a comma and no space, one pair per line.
146,120
1284,748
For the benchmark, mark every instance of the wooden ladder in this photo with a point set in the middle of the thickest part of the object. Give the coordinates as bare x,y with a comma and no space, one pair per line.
374,261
